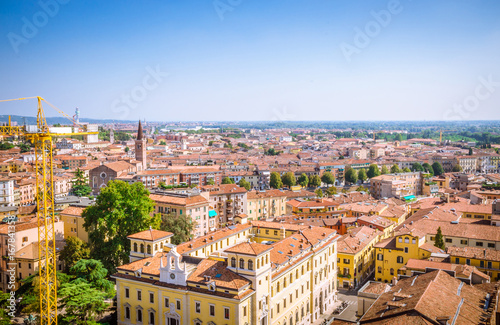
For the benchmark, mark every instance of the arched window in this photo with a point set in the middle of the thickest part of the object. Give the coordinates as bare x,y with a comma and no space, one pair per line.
296,317
233,262
407,240
250,264
307,307
267,260
392,271
161,245
242,263
400,239
258,264
278,287
291,277
135,247
156,247
291,319
139,315
302,312
149,249
127,312
284,283
400,259
142,248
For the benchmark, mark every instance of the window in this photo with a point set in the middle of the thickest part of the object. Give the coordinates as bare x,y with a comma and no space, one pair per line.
489,265
413,241
127,312
139,315
346,261
467,261
400,239
127,292
135,247
226,313
167,303
244,311
151,318
407,240
400,259
392,271
250,264
242,263
481,263
448,240
139,295
212,310
151,297
491,245
457,260
198,307
464,242
233,262
380,257
479,243
406,249
178,302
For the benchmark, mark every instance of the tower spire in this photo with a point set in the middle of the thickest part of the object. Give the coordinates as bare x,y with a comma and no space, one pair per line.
139,131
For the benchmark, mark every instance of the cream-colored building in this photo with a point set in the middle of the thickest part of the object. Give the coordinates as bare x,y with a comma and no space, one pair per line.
266,204
228,277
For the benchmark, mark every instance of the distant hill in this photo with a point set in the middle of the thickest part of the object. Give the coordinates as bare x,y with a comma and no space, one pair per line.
54,120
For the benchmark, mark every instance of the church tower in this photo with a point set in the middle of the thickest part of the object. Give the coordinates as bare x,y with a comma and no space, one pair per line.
111,136
140,147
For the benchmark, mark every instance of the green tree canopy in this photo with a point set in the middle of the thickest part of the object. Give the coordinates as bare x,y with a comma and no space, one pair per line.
210,181
182,226
373,171
417,167
384,170
457,168
80,184
428,168
437,168
303,180
362,175
332,190
406,170
319,193
82,302
439,241
395,169
275,181
244,183
74,250
121,209
227,180
93,272
328,178
315,181
289,179
351,175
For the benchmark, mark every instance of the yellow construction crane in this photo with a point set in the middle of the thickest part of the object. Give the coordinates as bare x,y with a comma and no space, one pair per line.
41,136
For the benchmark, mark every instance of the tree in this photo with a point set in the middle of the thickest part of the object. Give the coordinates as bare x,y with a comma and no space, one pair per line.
82,302
437,168
275,181
244,183
93,272
227,180
121,209
351,175
332,190
127,149
271,152
428,168
471,152
24,147
4,302
362,175
319,193
399,137
373,171
362,189
416,167
457,168
210,181
289,179
328,178
303,180
80,184
181,226
384,170
395,169
315,181
75,250
6,145
439,241
406,170
163,143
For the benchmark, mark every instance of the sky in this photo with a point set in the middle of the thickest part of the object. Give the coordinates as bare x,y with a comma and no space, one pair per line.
228,60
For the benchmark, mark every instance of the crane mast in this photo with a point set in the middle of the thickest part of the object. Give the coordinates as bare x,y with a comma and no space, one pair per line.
41,137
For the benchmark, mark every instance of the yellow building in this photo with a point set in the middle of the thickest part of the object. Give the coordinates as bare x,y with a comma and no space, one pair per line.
484,259
147,243
73,223
393,253
355,255
228,277
262,205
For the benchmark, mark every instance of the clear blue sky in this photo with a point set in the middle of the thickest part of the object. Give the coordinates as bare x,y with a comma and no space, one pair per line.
253,60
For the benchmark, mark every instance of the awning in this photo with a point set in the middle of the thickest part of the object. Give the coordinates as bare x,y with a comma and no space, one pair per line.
409,197
212,213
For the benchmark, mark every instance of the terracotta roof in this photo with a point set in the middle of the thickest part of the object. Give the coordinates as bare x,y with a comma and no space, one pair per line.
73,211
179,200
151,235
247,248
218,273
211,238
475,252
356,240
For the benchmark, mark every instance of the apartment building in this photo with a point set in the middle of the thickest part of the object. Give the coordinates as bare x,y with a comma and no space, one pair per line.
73,223
201,175
266,204
151,178
193,205
356,256
396,185
228,200
7,195
486,260
225,277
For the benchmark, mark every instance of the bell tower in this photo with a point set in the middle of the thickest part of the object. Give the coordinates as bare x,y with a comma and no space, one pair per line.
140,147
